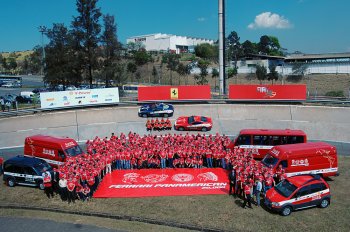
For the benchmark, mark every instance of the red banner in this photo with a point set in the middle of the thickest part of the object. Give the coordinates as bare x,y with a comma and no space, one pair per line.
182,92
268,92
163,182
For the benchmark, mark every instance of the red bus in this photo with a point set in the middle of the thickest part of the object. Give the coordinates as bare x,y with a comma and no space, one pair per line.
259,141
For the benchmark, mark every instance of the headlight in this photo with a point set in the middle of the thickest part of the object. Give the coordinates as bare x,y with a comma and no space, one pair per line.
276,204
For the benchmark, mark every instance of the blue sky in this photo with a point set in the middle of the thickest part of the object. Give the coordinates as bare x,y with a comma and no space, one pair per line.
310,26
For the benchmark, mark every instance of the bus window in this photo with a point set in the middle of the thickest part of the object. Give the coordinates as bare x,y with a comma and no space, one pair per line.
295,139
261,140
275,140
243,140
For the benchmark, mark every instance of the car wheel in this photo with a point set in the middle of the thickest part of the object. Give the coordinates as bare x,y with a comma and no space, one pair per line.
41,186
144,115
286,211
324,203
204,129
11,182
166,115
181,129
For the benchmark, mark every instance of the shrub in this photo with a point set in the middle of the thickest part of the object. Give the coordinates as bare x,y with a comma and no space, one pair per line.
339,93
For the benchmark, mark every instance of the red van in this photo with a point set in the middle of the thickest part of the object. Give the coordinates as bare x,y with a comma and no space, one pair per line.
53,150
298,192
305,158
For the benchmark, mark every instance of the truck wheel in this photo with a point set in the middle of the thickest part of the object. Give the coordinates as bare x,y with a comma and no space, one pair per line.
11,182
204,129
286,211
166,115
144,115
324,203
181,129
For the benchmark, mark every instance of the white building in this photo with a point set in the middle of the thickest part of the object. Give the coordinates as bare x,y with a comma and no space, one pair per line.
332,63
167,42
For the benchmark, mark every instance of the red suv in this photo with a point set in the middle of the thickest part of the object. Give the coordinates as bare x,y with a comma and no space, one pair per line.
298,192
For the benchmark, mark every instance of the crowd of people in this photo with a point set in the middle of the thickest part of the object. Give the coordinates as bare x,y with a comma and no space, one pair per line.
79,176
158,125
250,178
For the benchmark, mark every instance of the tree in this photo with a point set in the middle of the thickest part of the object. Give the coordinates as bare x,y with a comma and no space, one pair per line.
35,60
249,48
172,61
201,78
214,75
264,44
274,47
273,75
231,72
111,46
261,73
234,48
58,57
155,75
206,51
141,57
86,30
131,68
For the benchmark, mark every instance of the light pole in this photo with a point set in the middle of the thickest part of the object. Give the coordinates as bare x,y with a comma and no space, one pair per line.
222,47
42,30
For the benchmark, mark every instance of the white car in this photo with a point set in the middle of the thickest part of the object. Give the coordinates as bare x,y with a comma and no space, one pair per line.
8,85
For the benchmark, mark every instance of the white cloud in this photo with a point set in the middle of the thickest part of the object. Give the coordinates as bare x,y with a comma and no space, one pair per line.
201,19
269,20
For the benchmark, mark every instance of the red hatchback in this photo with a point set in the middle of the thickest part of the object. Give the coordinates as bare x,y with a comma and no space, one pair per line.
298,192
197,123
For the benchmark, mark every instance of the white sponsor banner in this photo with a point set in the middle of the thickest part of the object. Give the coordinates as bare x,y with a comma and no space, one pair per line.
78,97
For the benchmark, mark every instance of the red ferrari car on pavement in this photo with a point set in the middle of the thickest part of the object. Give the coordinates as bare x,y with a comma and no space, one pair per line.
198,123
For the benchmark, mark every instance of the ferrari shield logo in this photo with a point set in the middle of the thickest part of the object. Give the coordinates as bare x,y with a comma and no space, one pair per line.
174,93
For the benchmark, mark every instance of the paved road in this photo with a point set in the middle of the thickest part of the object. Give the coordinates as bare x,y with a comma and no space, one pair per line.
34,225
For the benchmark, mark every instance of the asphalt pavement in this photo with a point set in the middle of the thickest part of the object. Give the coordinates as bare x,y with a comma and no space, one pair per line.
18,224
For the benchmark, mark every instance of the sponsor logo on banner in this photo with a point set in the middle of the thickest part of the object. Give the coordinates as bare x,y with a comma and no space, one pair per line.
130,178
94,96
267,92
174,93
208,176
50,99
154,178
182,177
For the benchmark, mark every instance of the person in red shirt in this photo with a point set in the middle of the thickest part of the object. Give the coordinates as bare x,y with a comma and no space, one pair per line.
48,185
86,192
269,183
71,190
247,194
148,125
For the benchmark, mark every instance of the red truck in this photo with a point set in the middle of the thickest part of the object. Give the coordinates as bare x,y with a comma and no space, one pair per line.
54,150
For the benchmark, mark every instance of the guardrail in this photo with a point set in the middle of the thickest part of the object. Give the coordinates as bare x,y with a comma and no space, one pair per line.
134,102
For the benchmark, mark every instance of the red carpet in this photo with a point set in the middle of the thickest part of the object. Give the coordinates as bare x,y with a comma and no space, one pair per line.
163,182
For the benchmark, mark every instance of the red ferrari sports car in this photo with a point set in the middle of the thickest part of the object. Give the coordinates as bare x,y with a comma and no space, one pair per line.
199,123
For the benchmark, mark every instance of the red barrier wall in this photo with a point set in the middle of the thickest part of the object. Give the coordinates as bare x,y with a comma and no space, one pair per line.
267,92
182,92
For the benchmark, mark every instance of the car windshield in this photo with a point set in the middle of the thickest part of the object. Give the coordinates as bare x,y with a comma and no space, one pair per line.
203,119
269,160
41,165
190,120
74,151
285,188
